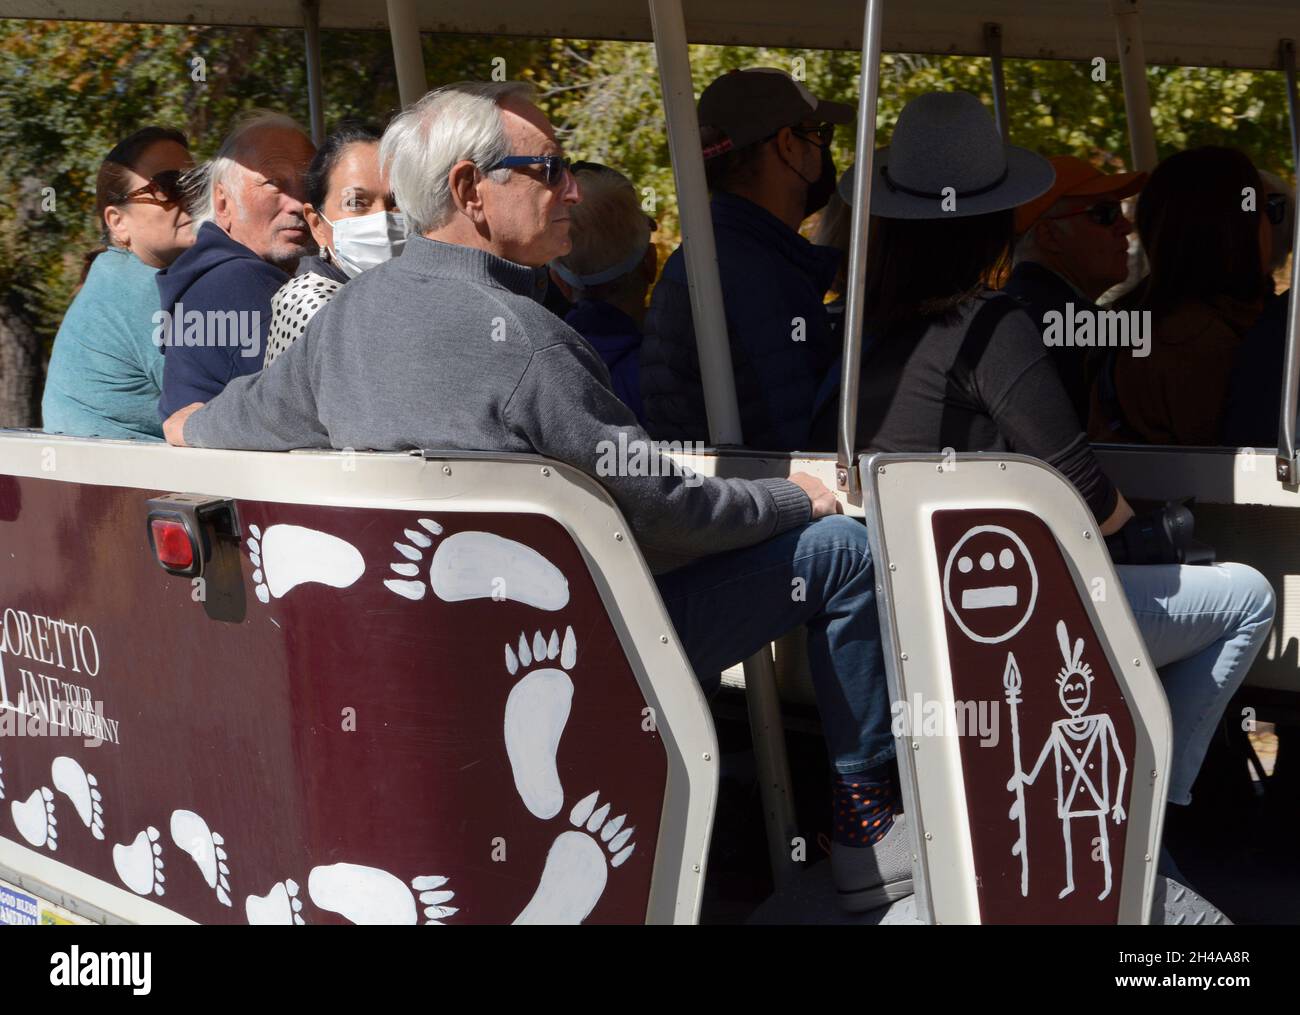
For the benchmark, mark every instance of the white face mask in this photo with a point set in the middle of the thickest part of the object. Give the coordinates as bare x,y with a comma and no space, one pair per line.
362,242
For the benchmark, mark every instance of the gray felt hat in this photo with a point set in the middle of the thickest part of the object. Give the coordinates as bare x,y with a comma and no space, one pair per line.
948,140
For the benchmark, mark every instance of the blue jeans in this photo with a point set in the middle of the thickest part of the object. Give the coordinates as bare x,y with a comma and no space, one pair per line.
1203,627
728,606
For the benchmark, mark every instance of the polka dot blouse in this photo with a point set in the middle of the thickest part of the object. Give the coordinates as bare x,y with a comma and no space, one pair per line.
293,305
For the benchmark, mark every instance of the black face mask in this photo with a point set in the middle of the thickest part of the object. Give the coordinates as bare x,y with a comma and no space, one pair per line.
820,190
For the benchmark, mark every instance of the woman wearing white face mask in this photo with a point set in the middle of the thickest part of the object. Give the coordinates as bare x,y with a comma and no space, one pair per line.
353,219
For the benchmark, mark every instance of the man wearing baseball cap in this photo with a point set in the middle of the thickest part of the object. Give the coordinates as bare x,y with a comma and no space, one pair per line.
1072,246
766,142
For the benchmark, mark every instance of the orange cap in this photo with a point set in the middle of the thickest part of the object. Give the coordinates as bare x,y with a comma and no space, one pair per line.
1077,178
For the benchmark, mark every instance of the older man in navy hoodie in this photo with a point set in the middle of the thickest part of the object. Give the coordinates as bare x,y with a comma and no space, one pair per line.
250,234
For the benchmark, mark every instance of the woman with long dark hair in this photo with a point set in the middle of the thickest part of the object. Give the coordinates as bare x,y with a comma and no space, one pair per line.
353,219
105,372
951,364
1203,225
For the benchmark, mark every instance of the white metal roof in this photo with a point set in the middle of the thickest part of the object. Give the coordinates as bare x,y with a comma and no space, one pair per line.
1240,33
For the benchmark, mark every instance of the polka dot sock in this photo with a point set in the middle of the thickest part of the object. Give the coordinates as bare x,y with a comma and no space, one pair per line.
863,806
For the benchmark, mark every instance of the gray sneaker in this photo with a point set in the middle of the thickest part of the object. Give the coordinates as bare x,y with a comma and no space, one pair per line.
867,877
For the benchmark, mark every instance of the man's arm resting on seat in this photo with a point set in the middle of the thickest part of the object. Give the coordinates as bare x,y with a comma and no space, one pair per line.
564,412
274,410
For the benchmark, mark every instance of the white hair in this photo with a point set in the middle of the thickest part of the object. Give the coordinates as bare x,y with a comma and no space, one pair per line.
1026,247
606,229
201,182
456,122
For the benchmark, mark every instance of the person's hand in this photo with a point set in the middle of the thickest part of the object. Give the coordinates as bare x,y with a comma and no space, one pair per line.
823,498
174,425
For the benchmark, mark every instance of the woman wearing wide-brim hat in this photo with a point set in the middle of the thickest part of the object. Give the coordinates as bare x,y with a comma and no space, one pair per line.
950,363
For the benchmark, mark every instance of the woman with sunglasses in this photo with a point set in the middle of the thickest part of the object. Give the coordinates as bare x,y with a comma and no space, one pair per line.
951,364
1203,219
105,372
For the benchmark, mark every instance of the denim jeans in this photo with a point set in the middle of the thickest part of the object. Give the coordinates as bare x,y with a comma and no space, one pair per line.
728,606
1203,627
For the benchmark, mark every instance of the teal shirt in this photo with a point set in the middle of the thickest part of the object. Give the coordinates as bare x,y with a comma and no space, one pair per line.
105,371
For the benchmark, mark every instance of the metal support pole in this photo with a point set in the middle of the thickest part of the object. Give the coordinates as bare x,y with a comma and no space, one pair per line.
771,764
766,726
846,471
673,57
993,46
311,28
1288,466
1133,70
1286,59
404,27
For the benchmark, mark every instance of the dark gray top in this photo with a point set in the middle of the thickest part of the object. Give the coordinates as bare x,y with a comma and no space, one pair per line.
981,382
447,347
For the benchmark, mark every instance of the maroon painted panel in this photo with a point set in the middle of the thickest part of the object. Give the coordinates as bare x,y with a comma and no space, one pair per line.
1021,641
345,737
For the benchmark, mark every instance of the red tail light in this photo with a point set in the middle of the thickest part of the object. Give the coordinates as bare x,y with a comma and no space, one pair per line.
186,528
172,544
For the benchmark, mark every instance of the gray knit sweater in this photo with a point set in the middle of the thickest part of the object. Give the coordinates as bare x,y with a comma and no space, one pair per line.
447,348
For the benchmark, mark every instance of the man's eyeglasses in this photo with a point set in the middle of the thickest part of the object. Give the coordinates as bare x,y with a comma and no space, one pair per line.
556,165
821,135
164,190
1275,208
1104,213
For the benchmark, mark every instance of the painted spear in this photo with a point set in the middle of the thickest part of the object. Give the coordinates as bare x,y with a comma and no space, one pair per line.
1011,682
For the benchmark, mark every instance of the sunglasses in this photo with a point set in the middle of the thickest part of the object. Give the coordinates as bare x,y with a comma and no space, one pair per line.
1104,213
556,165
820,135
164,190
1275,208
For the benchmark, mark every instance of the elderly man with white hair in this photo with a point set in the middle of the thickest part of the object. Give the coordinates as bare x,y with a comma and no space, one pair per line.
249,235
607,274
448,347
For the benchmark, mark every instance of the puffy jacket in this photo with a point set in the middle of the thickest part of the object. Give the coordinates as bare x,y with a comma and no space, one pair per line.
772,278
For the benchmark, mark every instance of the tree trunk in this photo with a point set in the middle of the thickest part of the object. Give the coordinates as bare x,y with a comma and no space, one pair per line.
21,372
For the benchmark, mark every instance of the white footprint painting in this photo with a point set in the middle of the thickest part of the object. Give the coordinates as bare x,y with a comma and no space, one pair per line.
577,869
279,906
34,818
368,895
290,555
206,848
476,565
140,865
536,712
80,787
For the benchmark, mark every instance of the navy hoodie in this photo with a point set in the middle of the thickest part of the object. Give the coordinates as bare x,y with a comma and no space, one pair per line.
771,278
618,340
216,274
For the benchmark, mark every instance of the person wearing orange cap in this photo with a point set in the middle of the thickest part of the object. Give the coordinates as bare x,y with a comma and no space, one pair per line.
1072,245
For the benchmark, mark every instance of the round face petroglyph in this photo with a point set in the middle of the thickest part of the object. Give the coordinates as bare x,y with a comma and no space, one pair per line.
990,584
1074,692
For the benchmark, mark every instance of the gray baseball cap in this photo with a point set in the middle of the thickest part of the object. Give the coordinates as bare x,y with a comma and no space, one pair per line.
748,106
